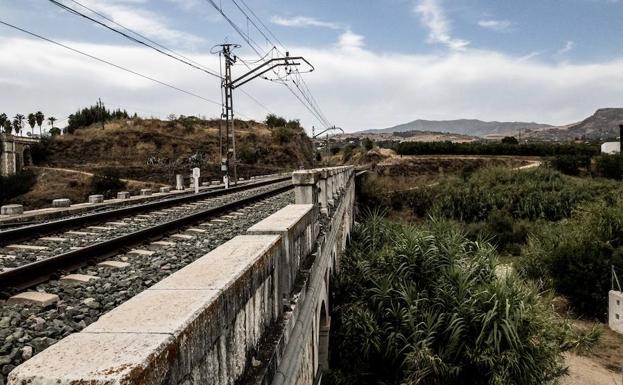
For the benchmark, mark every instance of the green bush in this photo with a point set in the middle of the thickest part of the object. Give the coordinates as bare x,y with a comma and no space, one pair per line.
482,148
107,183
283,135
609,166
569,164
15,185
575,256
425,306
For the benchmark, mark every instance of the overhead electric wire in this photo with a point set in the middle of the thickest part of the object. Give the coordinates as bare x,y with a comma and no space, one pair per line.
181,58
311,101
190,93
253,45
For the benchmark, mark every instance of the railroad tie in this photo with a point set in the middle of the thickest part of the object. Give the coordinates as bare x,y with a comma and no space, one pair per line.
28,247
77,279
163,243
34,298
182,236
53,239
114,264
141,252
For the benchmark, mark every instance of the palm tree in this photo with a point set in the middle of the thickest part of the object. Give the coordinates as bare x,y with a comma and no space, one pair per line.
3,118
7,126
18,123
53,130
40,118
32,120
51,121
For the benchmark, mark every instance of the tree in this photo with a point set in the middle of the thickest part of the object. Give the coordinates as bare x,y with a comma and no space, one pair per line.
509,140
273,121
51,121
32,120
40,118
368,144
18,123
7,127
3,119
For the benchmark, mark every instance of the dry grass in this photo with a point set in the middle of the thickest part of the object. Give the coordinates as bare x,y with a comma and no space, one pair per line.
53,184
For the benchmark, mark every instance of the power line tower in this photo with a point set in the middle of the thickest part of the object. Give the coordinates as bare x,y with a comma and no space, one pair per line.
228,85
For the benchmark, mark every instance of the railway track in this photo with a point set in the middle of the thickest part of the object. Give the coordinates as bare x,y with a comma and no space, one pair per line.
128,269
28,263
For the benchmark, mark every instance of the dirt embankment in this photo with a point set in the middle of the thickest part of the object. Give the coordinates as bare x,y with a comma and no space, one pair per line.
155,150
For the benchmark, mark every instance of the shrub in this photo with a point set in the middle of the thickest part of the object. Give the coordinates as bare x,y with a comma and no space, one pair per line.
424,306
576,256
283,135
248,155
40,151
480,148
15,185
107,183
569,164
609,166
273,121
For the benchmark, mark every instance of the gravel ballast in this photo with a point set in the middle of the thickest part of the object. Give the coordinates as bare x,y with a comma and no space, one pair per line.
26,331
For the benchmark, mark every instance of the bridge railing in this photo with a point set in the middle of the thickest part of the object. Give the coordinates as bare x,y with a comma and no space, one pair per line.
209,322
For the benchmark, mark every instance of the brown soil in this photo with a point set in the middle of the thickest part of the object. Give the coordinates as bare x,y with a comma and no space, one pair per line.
54,183
155,150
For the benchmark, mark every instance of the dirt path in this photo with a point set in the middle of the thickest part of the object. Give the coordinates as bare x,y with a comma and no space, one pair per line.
85,173
585,371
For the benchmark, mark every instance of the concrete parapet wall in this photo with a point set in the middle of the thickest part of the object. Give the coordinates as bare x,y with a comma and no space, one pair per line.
201,325
252,311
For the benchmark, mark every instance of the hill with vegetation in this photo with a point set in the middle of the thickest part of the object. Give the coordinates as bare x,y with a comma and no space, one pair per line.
472,127
155,150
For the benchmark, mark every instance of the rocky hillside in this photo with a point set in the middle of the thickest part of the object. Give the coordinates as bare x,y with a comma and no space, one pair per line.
154,150
472,127
602,125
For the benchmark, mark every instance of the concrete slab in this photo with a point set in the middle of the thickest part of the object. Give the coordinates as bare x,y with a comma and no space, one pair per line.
219,221
163,243
28,247
114,264
94,358
53,239
34,298
142,253
146,192
183,236
165,189
100,228
123,195
144,216
195,230
61,202
155,311
77,279
283,220
220,267
116,224
79,233
96,198
11,210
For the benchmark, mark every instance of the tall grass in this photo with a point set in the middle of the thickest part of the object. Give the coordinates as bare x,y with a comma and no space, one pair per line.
423,305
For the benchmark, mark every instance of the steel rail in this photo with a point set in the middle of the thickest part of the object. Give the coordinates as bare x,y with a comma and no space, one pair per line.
41,229
37,272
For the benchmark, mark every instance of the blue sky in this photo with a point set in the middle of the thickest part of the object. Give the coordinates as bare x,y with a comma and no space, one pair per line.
379,62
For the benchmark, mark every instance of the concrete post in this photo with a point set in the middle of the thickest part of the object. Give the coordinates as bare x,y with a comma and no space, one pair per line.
323,194
179,182
615,311
305,186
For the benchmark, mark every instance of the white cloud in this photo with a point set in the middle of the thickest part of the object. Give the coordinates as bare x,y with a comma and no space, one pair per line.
349,39
433,17
496,25
569,45
130,14
303,21
356,88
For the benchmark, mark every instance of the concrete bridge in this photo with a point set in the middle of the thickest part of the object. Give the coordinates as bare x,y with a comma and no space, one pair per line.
253,311
15,153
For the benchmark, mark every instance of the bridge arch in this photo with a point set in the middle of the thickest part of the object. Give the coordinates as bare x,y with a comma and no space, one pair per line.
26,157
324,328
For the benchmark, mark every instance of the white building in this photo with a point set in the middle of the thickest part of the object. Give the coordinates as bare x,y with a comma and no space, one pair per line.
611,148
615,311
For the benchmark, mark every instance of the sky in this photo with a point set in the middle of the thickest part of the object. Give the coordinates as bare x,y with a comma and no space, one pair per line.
377,63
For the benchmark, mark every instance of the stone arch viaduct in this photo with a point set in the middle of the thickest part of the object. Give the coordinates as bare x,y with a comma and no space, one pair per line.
15,153
255,310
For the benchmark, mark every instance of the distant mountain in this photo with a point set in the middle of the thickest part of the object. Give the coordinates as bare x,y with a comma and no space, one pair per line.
602,125
471,127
